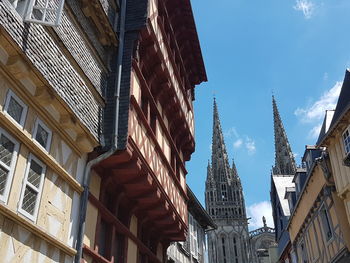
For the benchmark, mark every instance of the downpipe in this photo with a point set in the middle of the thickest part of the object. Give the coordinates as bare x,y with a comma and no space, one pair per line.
114,147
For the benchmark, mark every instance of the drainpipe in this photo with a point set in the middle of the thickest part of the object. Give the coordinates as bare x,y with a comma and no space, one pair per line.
93,162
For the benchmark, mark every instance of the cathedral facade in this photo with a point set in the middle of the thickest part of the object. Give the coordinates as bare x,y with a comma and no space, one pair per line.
229,243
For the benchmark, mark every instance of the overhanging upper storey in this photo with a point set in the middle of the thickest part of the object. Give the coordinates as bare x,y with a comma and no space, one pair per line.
183,26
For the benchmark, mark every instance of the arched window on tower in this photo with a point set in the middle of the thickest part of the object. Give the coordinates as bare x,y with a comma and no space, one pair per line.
223,249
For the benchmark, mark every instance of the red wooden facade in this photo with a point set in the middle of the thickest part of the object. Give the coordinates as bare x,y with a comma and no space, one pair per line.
141,203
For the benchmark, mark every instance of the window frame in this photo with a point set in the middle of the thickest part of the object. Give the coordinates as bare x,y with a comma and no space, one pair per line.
39,190
29,11
28,6
4,197
324,213
10,94
47,129
343,140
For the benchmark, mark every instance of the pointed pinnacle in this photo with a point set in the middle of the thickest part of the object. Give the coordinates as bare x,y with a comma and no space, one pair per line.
284,159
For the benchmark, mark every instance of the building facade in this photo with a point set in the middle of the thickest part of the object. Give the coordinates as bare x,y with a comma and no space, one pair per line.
225,204
263,246
314,227
281,179
137,198
334,136
51,96
96,124
199,222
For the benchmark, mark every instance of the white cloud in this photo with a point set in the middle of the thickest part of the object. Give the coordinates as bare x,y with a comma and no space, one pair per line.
238,143
317,110
231,132
315,132
257,211
250,146
307,7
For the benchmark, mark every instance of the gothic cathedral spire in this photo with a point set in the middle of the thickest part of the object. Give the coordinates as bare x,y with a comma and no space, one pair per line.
284,159
225,203
219,159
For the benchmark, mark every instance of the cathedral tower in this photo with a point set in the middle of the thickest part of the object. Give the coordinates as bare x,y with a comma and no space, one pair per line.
225,203
284,159
281,178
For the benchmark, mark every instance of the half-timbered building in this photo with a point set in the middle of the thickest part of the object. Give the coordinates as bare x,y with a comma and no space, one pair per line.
53,74
315,228
137,195
334,136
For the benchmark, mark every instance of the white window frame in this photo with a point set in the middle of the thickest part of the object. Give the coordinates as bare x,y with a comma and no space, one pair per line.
31,6
38,190
47,129
11,168
343,140
11,94
27,10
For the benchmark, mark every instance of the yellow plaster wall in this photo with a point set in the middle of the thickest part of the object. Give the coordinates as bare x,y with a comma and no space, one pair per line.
132,251
95,184
54,213
306,202
341,173
132,247
90,227
18,245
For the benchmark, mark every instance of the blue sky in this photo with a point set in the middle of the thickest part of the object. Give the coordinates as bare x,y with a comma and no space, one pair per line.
297,49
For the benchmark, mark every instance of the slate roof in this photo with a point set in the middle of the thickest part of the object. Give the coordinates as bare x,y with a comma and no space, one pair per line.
281,184
325,126
342,107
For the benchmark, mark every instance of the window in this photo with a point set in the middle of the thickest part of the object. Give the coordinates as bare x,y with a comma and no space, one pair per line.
223,248
8,155
42,134
346,141
32,187
303,253
45,12
223,192
19,5
193,236
327,229
15,108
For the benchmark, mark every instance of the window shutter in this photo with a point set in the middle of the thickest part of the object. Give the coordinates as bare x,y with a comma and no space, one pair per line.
45,12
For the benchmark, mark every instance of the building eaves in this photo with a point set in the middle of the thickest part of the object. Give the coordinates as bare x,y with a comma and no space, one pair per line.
198,212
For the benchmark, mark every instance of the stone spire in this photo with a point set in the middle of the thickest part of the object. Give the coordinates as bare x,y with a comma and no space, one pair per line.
284,159
224,202
234,169
219,158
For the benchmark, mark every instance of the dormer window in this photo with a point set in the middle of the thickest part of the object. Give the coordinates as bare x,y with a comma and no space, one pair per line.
45,12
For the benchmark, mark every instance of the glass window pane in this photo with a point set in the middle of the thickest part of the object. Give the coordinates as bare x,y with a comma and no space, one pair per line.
29,200
42,136
3,179
6,150
34,174
15,110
